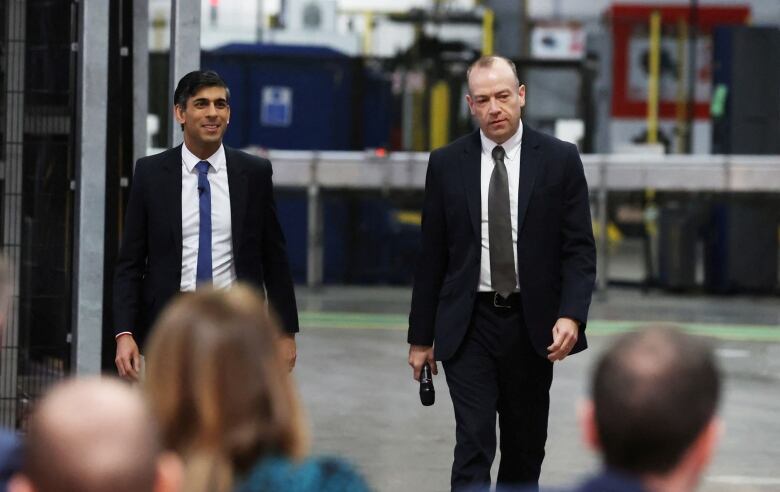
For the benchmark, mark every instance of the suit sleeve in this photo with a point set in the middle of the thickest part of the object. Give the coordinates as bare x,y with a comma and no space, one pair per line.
276,265
578,249
431,262
131,261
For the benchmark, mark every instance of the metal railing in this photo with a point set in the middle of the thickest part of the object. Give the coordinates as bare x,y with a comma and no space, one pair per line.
318,170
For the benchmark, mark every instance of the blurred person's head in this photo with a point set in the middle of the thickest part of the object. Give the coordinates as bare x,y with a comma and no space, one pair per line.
95,435
219,388
653,410
495,97
202,107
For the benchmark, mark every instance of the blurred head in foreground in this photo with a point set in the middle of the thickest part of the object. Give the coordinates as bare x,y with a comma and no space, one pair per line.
95,435
652,413
217,385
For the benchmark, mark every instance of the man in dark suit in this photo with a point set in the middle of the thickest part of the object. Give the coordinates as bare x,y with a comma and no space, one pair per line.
652,413
200,214
504,279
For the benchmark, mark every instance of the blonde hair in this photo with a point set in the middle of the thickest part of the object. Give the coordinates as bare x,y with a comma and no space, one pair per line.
218,388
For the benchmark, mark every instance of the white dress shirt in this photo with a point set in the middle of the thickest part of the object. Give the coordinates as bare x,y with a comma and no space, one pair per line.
223,268
512,163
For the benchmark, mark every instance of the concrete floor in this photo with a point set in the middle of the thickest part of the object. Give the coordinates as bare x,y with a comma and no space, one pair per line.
363,404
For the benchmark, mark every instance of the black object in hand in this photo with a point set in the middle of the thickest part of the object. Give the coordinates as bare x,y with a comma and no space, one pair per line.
427,393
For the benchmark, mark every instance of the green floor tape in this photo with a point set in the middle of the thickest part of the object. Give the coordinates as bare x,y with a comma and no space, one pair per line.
370,321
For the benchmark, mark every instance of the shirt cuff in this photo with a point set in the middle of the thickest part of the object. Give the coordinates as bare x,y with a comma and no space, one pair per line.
123,333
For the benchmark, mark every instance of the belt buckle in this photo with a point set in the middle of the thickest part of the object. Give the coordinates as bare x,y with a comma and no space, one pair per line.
496,297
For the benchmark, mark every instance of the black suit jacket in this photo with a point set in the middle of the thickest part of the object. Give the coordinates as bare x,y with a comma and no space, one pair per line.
555,248
148,270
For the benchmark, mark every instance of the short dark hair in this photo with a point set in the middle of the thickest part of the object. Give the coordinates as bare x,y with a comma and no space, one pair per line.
654,391
190,84
488,61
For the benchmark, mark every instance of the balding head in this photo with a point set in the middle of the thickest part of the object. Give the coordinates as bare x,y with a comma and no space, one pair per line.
92,435
654,393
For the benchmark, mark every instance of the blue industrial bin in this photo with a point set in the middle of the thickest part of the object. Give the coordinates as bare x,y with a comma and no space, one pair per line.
364,240
385,248
292,210
301,97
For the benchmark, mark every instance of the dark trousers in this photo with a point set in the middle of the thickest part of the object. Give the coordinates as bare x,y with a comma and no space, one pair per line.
496,370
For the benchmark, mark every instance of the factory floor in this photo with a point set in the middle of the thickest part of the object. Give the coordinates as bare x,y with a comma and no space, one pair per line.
362,403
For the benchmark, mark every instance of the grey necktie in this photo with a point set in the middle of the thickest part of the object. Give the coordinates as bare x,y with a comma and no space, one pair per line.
502,256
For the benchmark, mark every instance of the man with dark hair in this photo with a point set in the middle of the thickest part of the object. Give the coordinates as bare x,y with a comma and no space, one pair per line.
652,413
200,214
504,279
191,83
95,435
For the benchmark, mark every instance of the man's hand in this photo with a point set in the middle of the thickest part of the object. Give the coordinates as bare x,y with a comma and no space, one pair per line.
565,334
287,350
128,358
419,355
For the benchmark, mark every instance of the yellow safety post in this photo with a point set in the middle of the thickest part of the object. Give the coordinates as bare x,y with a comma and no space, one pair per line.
409,217
654,77
439,124
368,32
488,21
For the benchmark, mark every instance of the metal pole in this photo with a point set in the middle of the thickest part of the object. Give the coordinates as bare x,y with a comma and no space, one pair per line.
260,20
682,90
407,113
90,185
510,33
140,77
184,52
693,34
314,249
15,22
602,255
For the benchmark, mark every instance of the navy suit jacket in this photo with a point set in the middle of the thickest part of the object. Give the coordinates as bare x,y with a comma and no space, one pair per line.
10,456
148,269
555,248
610,481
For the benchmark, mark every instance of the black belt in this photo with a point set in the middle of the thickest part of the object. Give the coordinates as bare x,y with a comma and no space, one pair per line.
494,299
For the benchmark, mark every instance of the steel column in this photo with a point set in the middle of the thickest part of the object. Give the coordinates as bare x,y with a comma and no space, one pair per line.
140,77
184,53
90,185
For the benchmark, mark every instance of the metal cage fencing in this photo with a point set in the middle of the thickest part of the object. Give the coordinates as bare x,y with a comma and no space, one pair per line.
37,101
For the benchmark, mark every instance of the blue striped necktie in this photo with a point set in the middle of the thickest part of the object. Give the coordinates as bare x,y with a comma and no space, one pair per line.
203,275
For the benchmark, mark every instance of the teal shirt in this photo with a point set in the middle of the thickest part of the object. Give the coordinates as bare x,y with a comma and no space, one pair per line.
311,475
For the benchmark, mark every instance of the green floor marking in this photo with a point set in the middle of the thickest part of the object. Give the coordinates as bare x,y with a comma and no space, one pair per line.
369,321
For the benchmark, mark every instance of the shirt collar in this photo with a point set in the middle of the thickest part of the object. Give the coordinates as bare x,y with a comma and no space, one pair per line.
613,480
217,159
511,146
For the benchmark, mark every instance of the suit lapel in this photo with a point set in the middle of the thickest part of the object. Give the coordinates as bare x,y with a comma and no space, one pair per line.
172,187
470,171
530,161
236,169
